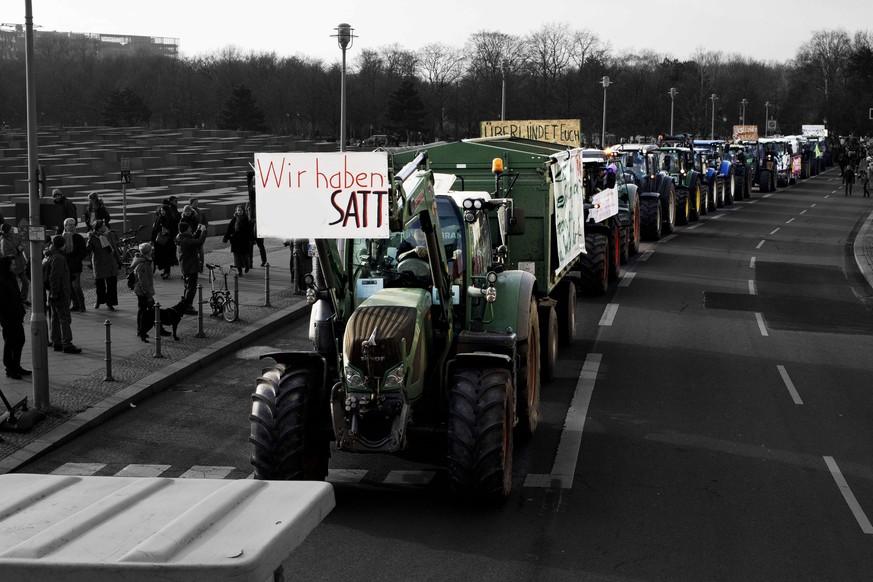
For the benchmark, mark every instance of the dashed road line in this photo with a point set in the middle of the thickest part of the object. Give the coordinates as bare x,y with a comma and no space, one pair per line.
668,238
752,263
753,290
78,469
755,201
767,195
609,314
693,226
803,211
789,221
626,278
774,231
761,326
409,477
859,514
645,256
760,244
789,384
716,217
142,471
206,472
346,475
812,205
564,467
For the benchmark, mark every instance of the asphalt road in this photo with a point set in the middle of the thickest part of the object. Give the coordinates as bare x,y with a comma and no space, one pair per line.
713,422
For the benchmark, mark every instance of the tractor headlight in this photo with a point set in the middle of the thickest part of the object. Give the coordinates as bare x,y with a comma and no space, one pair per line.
491,294
354,379
311,296
394,378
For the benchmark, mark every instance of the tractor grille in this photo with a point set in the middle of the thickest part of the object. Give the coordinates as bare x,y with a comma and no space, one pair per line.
391,324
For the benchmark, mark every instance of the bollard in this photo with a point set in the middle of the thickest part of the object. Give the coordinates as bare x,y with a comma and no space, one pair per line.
199,312
236,291
108,357
266,285
158,331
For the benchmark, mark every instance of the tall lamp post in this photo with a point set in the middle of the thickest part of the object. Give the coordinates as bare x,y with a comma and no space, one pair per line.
672,93
743,104
767,118
712,98
605,82
345,37
504,66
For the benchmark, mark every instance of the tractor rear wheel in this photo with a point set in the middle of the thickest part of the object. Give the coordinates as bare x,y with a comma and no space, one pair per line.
683,207
668,210
650,218
730,193
481,415
548,342
615,253
529,373
284,446
720,195
764,181
593,266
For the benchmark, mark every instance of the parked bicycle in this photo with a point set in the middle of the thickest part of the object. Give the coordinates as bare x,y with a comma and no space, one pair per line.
128,246
221,301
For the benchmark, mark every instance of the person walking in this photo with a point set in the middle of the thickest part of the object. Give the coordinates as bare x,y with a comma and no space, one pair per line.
204,221
75,250
869,176
60,291
189,217
95,211
239,233
11,319
189,242
164,232
144,288
103,248
251,212
849,179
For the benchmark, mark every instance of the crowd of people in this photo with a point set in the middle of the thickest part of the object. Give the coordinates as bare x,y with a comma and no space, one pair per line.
856,165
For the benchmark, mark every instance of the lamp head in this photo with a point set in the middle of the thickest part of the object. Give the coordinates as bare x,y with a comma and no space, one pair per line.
345,36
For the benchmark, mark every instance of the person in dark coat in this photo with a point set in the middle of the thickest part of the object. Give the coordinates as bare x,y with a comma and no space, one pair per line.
68,208
12,320
849,179
164,232
103,247
204,220
60,291
95,211
75,249
189,242
239,233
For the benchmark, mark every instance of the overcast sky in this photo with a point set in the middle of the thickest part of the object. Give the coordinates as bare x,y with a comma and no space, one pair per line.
764,30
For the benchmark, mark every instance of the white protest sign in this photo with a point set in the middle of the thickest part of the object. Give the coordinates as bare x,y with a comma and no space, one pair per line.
322,195
605,205
569,207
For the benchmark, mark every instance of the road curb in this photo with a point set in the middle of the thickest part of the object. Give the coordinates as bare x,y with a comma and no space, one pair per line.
862,258
151,384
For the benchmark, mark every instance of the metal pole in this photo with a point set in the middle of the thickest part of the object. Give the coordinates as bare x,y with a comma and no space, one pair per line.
123,206
342,106
603,128
108,357
503,95
236,291
266,285
199,312
36,234
766,119
712,98
158,331
672,93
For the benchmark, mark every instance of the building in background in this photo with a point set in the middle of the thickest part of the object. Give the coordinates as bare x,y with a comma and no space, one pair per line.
12,42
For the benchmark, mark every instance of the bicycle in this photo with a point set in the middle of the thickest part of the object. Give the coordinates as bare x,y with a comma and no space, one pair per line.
221,301
128,246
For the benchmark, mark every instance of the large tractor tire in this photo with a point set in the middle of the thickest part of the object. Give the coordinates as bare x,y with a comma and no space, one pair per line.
284,446
548,342
719,198
730,190
566,293
705,193
635,232
668,207
683,207
529,375
593,265
765,180
747,184
650,218
694,202
615,253
481,415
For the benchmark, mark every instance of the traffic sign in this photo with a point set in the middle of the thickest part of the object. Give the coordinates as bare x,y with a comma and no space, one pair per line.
771,124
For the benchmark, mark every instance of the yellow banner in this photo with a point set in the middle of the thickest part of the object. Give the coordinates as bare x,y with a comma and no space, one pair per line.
746,132
560,131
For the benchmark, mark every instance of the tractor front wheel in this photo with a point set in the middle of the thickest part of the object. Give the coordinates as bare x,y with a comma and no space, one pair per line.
593,266
529,374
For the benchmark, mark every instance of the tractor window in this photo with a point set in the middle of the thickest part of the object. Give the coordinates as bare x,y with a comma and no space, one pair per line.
453,236
480,246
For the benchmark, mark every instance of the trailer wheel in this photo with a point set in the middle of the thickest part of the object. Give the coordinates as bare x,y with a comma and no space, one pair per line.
529,374
683,211
567,312
635,233
548,342
284,446
481,415
593,266
650,218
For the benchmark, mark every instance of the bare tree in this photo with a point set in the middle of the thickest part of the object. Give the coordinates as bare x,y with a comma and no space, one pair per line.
440,66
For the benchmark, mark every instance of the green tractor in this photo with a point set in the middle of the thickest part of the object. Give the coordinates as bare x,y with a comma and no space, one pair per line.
419,335
679,164
656,192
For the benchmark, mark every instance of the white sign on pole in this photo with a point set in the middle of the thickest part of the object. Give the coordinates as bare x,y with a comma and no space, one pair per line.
569,206
322,195
814,130
605,205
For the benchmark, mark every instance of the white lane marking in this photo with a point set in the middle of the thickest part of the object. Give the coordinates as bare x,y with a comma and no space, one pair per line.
608,314
78,469
346,475
564,466
755,201
789,384
760,244
812,205
753,290
760,318
803,211
859,514
775,230
206,472
409,477
790,220
693,226
752,263
646,255
716,217
137,470
626,278
766,195
668,238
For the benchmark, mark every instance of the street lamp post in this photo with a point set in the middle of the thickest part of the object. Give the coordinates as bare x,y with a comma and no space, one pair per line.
503,68
672,93
743,103
605,82
767,118
345,37
712,98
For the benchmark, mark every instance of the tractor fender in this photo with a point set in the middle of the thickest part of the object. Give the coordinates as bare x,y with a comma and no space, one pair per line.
598,228
299,360
650,195
515,290
725,169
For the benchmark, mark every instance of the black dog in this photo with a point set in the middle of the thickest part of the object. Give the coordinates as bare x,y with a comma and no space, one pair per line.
170,316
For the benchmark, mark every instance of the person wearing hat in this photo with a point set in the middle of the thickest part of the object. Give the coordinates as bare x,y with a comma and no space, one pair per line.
60,292
144,288
68,208
11,318
95,211
103,247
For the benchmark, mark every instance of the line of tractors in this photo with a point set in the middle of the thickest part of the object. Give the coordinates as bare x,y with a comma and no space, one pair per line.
440,336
